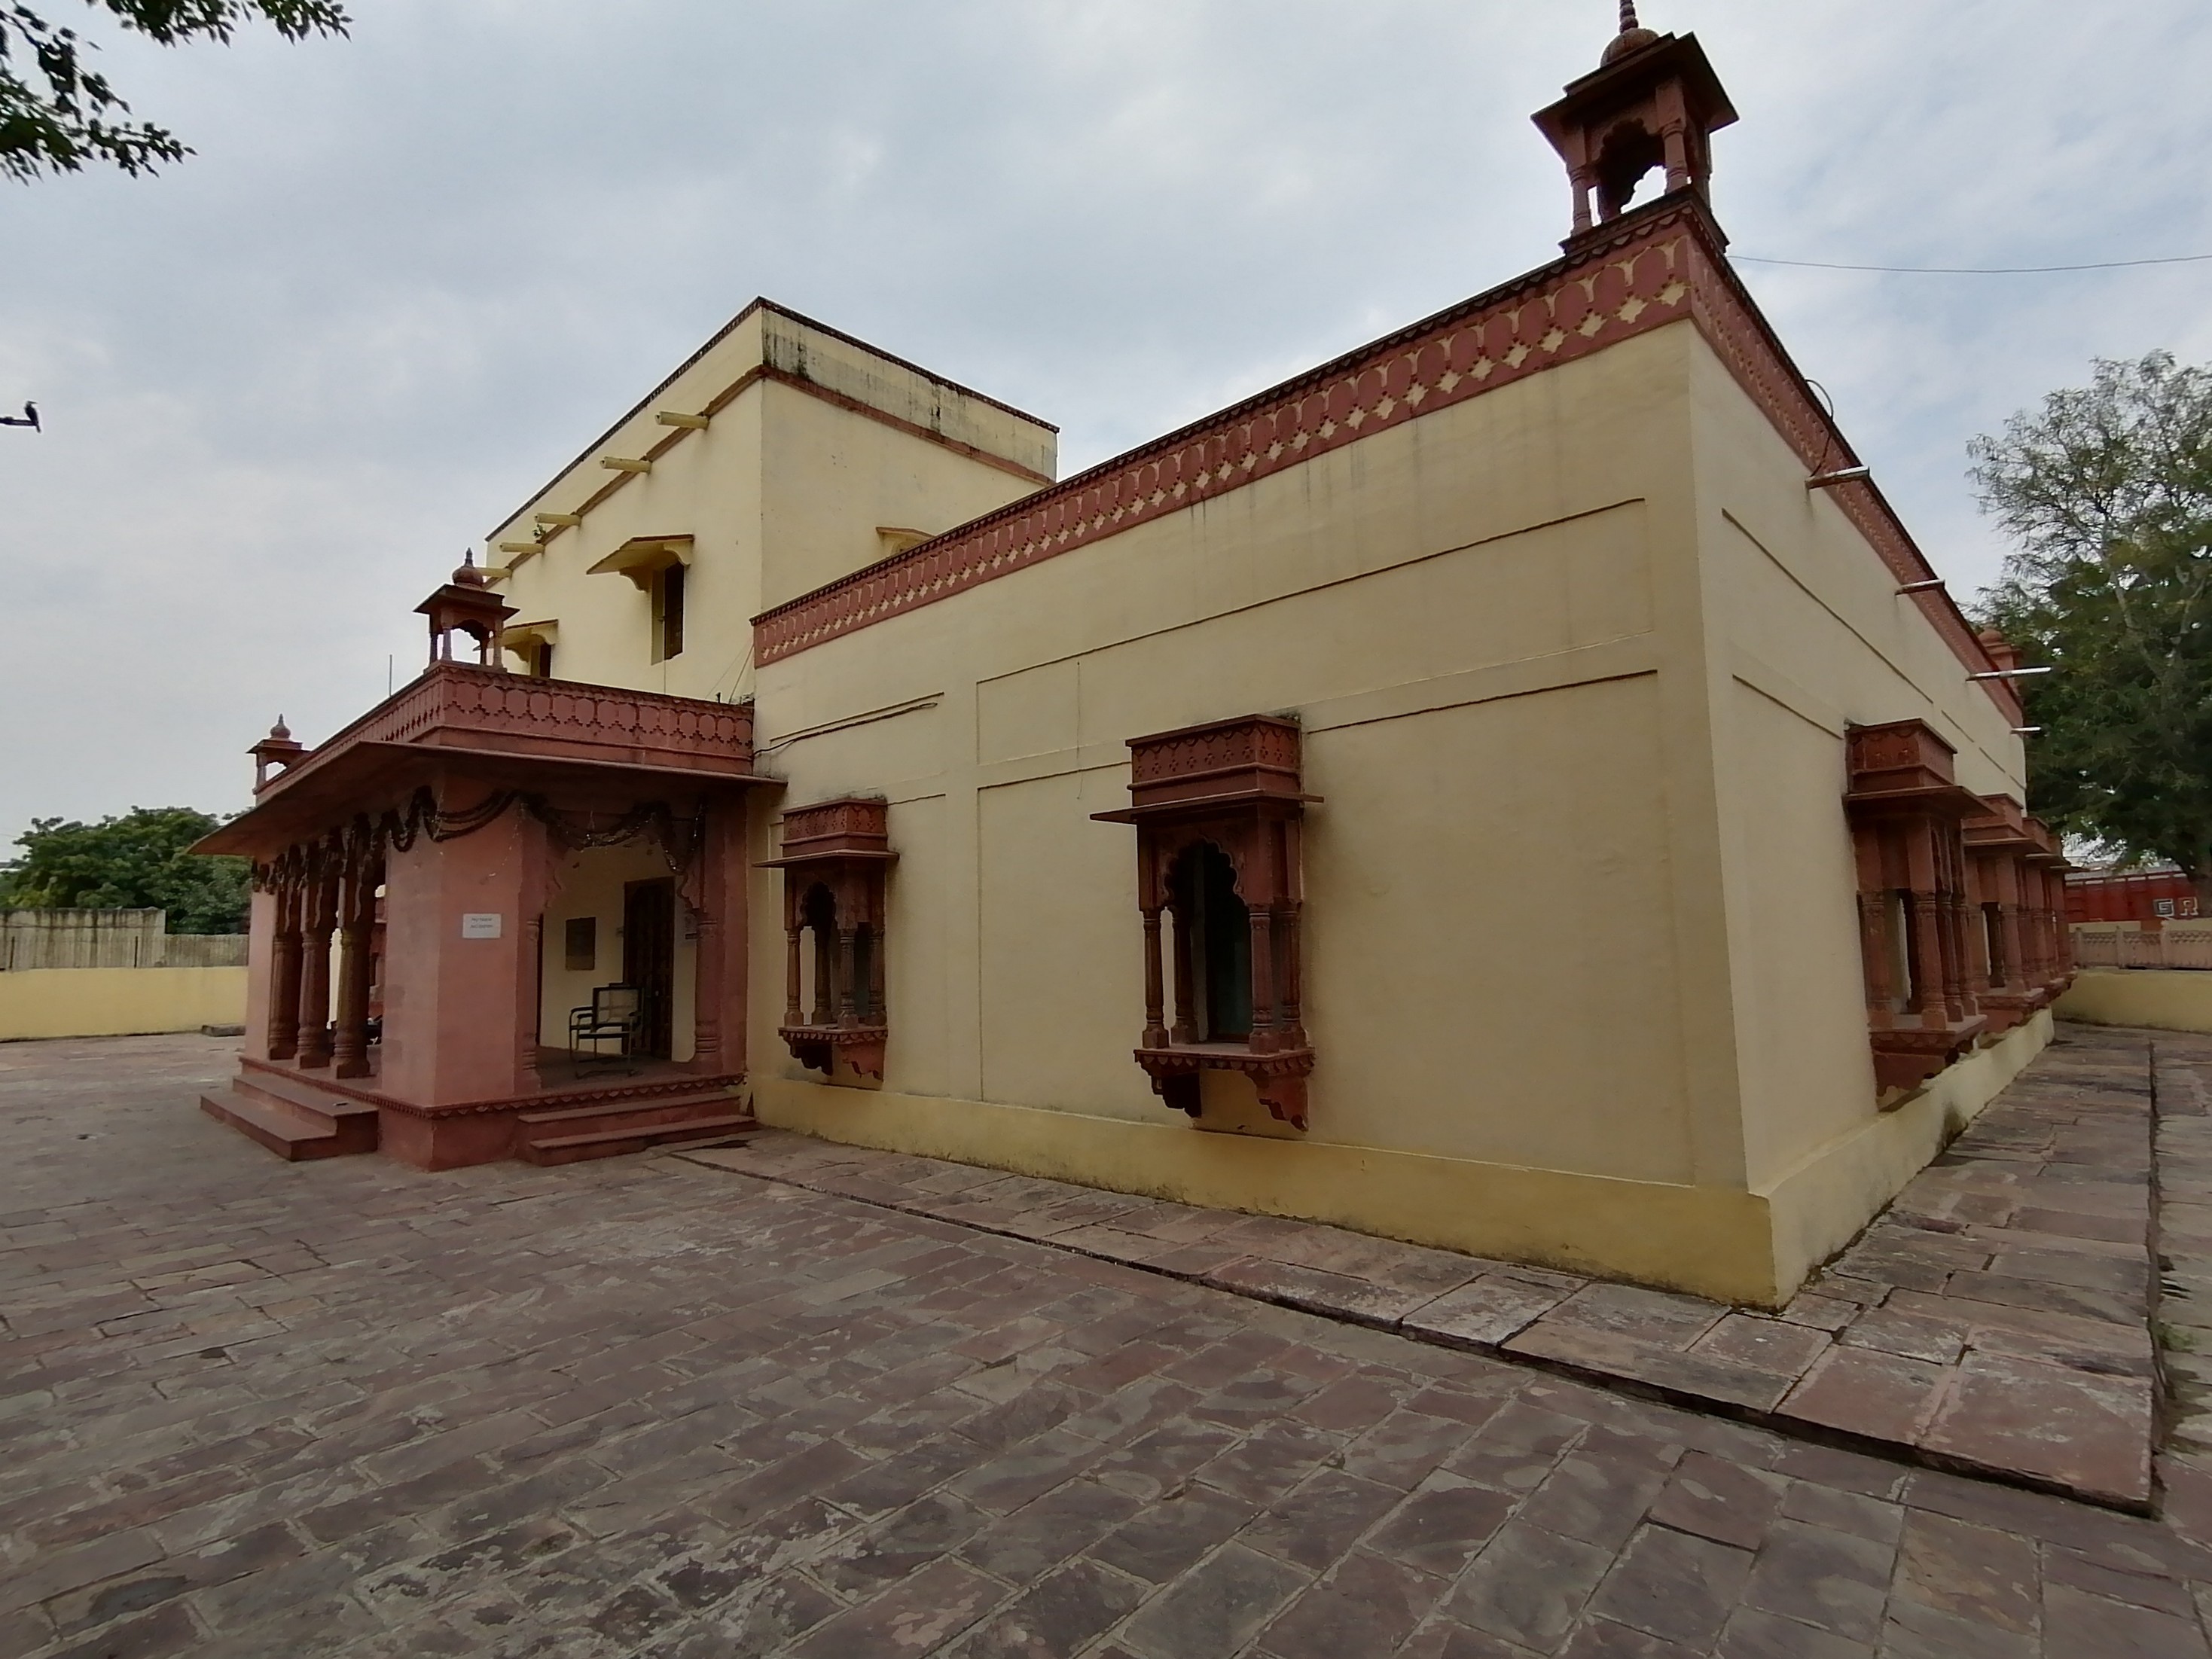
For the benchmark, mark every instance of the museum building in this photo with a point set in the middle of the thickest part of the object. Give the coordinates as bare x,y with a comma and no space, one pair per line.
1516,788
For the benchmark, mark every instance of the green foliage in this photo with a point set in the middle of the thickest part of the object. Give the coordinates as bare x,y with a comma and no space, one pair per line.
56,114
137,861
2108,489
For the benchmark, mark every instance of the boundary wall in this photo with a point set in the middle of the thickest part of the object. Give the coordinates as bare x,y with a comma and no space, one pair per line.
90,1002
2167,999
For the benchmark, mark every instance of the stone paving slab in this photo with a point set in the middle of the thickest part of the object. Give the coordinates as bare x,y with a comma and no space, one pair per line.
637,1410
2183,1242
1995,1319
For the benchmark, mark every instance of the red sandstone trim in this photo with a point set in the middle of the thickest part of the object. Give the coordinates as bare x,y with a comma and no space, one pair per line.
484,703
551,1100
1660,264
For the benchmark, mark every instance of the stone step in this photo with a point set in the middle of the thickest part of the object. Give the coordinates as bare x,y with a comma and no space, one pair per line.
301,1097
615,1143
632,1113
294,1137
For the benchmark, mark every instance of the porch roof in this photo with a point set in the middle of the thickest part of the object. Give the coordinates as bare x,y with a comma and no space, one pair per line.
507,731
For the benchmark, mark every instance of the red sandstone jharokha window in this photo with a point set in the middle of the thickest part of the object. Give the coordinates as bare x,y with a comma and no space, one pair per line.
1960,935
1218,809
836,857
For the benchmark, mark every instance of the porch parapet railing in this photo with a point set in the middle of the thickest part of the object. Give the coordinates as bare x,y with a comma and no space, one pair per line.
2126,945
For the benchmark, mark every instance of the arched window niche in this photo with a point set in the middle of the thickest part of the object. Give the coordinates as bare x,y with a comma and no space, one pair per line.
835,856
1217,811
1211,946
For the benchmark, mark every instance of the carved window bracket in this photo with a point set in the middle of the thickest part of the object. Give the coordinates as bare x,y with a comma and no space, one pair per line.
835,856
1217,811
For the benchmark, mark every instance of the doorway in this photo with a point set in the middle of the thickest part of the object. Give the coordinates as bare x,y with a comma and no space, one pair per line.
649,961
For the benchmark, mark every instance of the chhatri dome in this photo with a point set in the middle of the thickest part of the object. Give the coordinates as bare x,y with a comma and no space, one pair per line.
1632,36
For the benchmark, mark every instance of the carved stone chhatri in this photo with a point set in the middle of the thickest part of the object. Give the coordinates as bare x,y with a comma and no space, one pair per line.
1216,810
466,606
835,855
1653,102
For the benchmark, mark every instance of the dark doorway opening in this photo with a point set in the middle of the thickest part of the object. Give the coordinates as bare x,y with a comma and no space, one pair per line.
1220,929
649,961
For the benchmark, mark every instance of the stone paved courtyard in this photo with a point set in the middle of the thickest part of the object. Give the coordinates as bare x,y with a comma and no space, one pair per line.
649,1408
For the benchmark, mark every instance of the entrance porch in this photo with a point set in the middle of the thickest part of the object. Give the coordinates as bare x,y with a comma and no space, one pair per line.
528,843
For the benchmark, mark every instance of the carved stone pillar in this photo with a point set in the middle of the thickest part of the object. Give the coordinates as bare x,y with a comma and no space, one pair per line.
1186,978
319,922
285,967
793,1013
879,1011
825,977
356,933
849,1007
718,1031
1156,1031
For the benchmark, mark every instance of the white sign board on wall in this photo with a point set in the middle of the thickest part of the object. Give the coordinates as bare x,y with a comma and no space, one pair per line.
479,925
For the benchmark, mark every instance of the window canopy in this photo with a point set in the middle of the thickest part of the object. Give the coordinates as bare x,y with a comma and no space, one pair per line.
642,557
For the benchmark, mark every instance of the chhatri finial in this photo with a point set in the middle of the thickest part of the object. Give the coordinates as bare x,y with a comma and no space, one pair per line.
468,575
280,730
1633,36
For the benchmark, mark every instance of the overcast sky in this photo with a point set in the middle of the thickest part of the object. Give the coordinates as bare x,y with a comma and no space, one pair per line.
411,273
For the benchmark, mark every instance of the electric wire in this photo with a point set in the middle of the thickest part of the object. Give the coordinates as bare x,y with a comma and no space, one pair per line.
1974,270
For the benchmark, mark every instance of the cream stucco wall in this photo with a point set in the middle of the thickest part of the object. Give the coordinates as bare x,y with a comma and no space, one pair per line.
1581,970
1809,636
81,1002
1468,615
783,490
1574,661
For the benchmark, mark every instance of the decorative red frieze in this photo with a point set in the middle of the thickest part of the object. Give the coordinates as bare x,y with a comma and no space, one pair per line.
1906,808
1652,266
1218,809
835,856
1565,312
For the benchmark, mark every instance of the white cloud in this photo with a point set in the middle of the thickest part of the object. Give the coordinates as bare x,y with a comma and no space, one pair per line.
409,273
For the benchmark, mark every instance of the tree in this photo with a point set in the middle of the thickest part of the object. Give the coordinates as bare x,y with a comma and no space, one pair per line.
56,114
2108,489
137,861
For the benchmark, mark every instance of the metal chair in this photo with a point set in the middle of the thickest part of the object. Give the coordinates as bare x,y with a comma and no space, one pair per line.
615,1014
